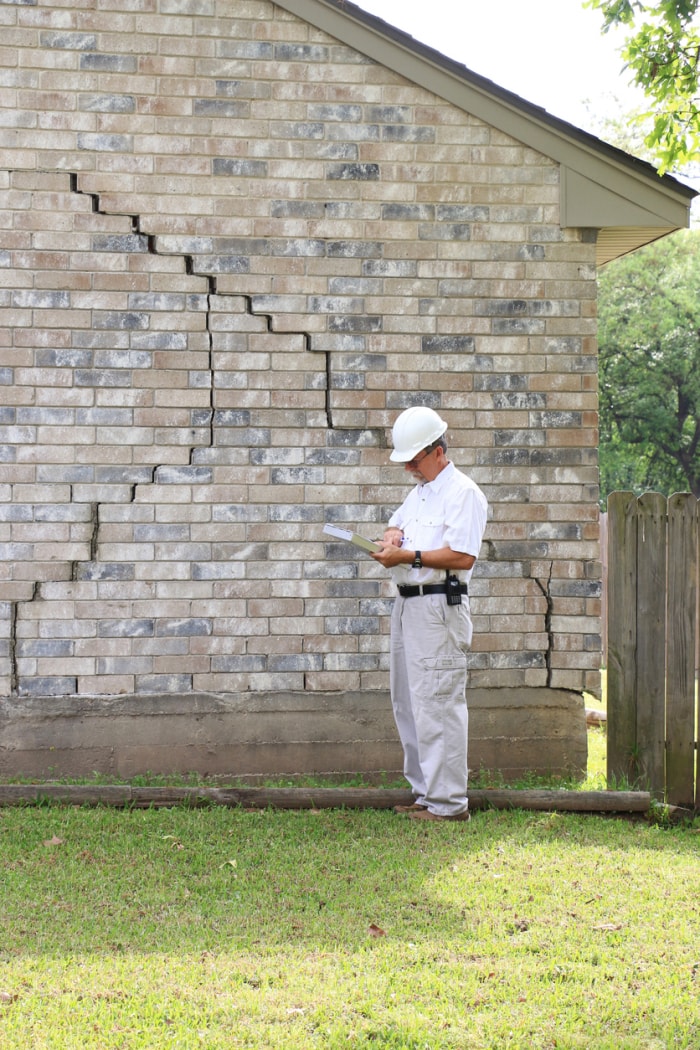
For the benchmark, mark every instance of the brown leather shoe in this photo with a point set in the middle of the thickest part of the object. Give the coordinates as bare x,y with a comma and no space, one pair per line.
425,814
415,807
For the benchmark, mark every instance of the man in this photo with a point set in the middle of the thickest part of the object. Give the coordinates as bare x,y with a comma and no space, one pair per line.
430,545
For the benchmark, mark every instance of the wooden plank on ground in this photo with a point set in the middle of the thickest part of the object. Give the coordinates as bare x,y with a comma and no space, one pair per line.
622,635
127,796
680,669
649,755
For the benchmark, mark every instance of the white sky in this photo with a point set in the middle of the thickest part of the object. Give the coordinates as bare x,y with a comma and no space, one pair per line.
550,52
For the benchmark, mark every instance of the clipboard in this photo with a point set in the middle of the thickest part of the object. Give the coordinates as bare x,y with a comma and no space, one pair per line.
352,537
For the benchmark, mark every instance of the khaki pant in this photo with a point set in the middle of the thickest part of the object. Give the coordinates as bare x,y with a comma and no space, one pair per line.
429,643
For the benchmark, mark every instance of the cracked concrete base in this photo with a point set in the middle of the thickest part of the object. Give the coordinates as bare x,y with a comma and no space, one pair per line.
255,735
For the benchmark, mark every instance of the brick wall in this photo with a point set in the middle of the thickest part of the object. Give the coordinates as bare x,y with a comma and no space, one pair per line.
231,251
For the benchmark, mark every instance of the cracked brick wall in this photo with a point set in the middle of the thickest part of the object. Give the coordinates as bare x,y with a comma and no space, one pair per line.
231,251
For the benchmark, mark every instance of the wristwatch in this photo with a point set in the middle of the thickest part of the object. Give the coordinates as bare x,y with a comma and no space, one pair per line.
417,561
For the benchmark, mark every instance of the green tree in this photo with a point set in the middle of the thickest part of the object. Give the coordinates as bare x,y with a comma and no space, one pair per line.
663,52
649,339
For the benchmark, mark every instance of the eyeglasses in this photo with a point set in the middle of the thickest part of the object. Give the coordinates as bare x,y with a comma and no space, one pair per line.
419,459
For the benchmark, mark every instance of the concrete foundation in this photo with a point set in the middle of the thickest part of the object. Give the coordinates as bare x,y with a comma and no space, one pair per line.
254,735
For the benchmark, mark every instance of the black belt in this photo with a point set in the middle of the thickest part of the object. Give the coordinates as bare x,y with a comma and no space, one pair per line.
429,588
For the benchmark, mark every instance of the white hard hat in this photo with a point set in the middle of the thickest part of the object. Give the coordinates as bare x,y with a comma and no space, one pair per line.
414,430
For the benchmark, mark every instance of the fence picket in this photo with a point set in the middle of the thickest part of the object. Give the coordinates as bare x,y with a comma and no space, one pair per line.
650,642
680,658
622,634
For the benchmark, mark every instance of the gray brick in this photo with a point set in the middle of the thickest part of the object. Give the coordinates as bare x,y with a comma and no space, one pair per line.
355,286
344,111
107,103
161,533
519,401
400,399
91,570
183,475
62,512
358,438
124,320
128,665
462,213
500,382
304,247
551,420
297,476
102,377
109,63
234,109
119,242
39,299
390,268
335,456
354,249
38,647
365,323
297,209
243,512
64,358
347,381
448,344
301,662
518,326
128,475
105,417
164,684
389,114
73,474
194,627
302,129
555,531
325,304
291,52
352,625
49,686
217,570
281,512
124,628
531,252
251,49
105,143
408,212
246,438
7,376
407,133
521,438
454,231
15,512
242,89
232,664
69,41
353,172
123,359
240,167
222,264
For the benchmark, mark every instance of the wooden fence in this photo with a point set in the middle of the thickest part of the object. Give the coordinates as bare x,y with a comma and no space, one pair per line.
652,618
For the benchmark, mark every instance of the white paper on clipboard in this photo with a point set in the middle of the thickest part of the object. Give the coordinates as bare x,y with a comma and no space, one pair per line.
351,537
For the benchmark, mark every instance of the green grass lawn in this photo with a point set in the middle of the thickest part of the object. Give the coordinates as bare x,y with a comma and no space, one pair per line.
218,928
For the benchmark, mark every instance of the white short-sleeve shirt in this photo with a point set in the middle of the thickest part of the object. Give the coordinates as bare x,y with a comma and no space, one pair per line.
449,511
